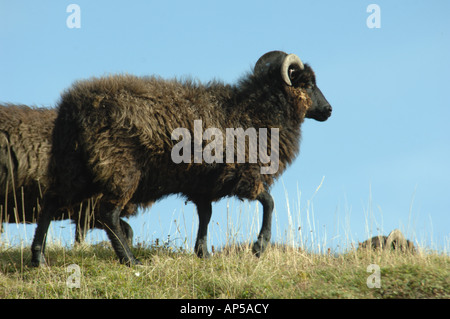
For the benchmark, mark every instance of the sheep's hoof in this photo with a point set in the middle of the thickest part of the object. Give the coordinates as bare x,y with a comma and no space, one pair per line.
137,262
130,261
259,247
201,249
205,255
202,253
38,260
134,262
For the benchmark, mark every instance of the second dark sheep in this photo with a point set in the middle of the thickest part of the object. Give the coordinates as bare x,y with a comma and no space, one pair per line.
114,137
25,144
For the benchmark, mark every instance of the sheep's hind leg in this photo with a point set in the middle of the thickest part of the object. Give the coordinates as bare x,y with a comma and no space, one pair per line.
204,211
40,235
127,231
113,228
264,236
81,231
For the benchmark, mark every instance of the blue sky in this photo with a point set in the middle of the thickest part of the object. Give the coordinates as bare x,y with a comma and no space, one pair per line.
383,155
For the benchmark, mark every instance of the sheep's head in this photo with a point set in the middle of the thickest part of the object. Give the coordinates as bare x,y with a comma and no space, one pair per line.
298,78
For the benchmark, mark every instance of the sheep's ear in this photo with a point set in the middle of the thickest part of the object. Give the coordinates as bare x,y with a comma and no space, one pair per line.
294,74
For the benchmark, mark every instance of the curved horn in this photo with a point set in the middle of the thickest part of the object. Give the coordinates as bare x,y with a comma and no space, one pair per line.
289,60
267,60
396,236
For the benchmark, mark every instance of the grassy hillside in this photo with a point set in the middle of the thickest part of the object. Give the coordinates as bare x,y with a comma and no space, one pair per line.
282,272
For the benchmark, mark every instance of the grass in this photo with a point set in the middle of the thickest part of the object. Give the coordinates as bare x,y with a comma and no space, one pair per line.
283,272
301,268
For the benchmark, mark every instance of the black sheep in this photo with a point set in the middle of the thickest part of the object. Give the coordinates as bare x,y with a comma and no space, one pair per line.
114,137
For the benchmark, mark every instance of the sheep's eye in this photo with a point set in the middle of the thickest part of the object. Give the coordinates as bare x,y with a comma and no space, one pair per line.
294,74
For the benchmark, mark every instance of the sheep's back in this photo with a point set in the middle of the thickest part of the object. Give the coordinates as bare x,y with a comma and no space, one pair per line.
25,143
144,104
133,113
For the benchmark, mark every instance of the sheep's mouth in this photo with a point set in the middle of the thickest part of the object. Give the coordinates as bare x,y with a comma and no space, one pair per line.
320,116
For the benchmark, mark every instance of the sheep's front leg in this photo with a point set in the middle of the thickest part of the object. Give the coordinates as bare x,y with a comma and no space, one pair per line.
113,227
264,236
204,211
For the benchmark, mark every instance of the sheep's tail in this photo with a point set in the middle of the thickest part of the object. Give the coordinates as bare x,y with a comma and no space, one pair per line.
11,172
